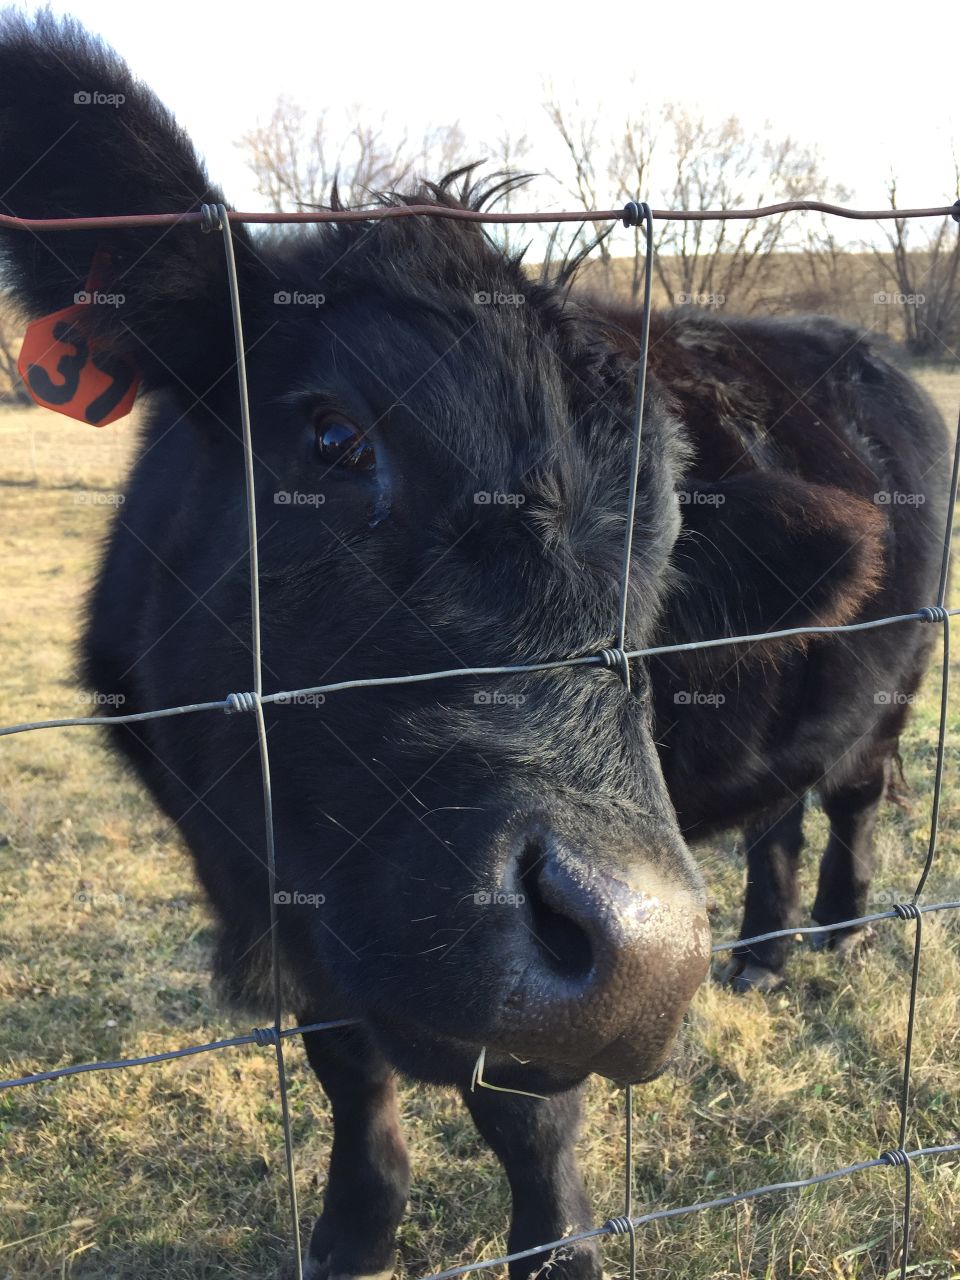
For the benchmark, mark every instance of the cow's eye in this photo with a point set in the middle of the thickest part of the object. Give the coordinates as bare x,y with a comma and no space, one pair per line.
342,444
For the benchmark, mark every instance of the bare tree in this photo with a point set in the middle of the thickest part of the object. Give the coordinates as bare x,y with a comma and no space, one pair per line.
297,160
288,157
579,132
924,278
508,152
690,163
444,150
630,171
823,266
721,166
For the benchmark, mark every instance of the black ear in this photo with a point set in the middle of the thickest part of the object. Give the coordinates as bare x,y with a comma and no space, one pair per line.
80,136
765,552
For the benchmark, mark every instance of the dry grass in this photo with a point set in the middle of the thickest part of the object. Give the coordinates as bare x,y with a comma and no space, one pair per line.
176,1170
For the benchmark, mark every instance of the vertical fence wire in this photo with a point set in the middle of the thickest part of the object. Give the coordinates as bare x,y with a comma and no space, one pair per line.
218,220
911,909
634,214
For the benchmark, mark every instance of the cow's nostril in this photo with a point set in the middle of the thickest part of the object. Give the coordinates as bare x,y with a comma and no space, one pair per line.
563,943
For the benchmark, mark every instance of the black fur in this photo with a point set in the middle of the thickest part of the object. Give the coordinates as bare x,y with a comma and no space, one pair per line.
765,443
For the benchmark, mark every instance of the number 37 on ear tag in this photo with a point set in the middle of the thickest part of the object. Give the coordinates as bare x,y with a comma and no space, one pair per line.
64,370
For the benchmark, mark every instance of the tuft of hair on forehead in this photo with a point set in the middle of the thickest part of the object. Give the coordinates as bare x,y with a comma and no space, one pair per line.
469,189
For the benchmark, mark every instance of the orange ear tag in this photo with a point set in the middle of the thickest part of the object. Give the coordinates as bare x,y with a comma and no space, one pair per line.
62,367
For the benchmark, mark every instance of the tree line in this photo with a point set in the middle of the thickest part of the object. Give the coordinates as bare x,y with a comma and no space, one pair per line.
902,282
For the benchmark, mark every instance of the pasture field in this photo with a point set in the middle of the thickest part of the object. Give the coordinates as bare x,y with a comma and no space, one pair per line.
175,1171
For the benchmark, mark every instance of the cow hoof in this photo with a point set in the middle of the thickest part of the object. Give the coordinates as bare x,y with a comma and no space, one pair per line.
845,943
315,1268
741,976
377,1275
851,944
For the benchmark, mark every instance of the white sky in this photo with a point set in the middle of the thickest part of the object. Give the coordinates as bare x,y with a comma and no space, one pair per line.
873,87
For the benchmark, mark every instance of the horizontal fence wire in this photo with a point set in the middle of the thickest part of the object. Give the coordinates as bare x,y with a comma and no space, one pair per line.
236,702
262,1036
216,218
620,1226
376,213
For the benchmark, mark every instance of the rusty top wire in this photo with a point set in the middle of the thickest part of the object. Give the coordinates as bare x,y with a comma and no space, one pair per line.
381,212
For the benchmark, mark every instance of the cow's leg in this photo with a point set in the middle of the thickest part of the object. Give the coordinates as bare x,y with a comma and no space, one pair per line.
773,845
369,1175
534,1140
846,868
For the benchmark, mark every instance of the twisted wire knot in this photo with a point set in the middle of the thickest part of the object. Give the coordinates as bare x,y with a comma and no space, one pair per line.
907,910
618,1226
616,660
933,613
211,217
264,1036
239,702
896,1157
634,213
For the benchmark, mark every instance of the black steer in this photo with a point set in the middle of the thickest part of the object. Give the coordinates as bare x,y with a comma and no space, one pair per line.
442,449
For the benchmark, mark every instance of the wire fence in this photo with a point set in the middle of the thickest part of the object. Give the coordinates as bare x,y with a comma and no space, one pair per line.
213,219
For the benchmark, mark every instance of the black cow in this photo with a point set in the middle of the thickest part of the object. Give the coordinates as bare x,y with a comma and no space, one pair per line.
442,449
